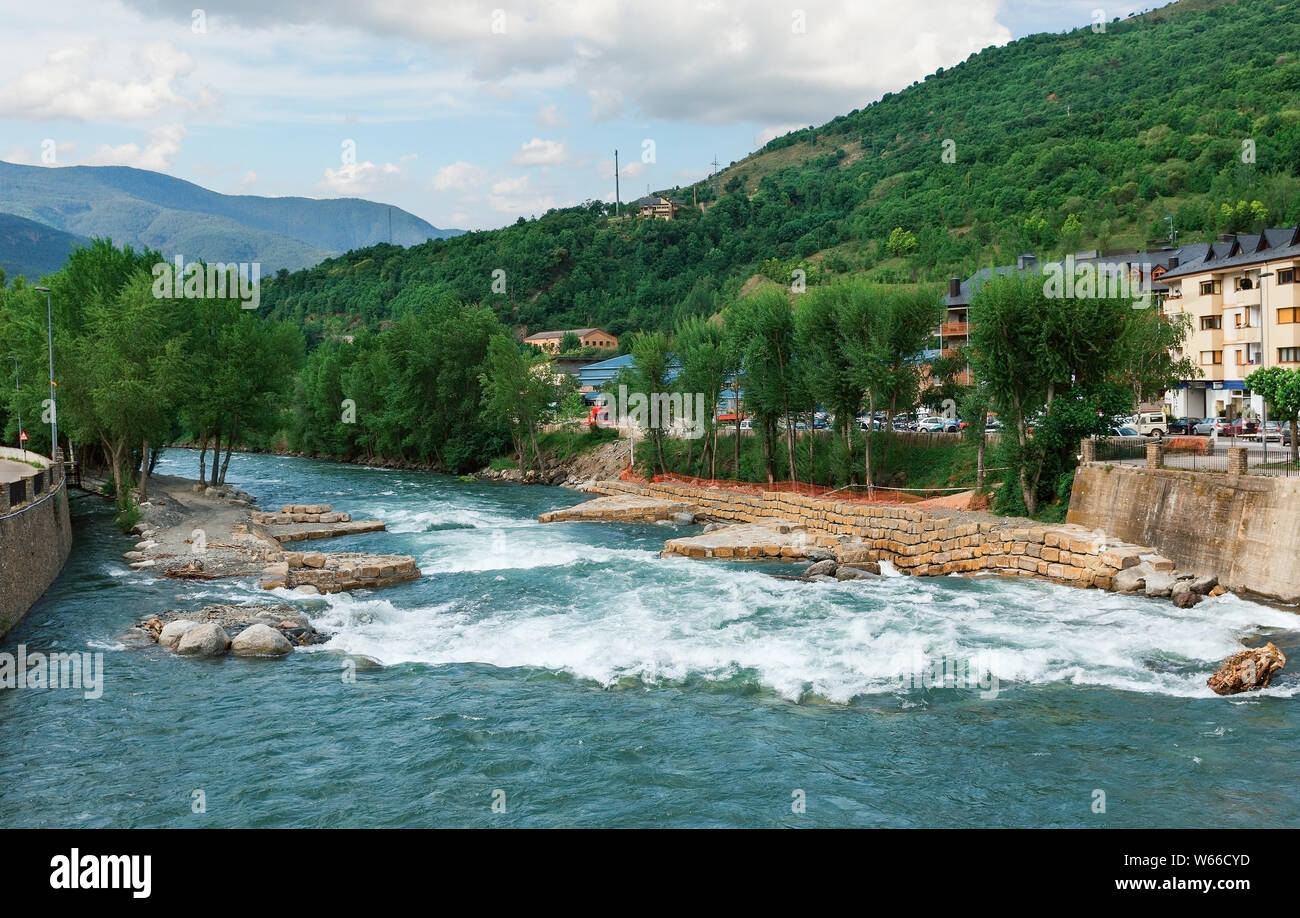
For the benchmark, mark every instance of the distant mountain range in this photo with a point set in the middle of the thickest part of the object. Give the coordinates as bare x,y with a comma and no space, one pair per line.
62,206
33,249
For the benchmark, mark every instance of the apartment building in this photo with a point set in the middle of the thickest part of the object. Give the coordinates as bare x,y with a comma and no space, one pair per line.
1241,296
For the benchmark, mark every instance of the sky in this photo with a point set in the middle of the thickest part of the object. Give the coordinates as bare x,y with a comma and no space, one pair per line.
468,114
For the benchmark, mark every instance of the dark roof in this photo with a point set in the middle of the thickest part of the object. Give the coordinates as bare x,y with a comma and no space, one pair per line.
1241,251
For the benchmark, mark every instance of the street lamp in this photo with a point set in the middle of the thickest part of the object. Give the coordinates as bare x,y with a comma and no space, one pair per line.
18,403
54,413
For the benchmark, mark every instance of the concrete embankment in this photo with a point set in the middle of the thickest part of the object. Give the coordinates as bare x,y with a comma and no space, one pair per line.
35,531
1246,528
927,542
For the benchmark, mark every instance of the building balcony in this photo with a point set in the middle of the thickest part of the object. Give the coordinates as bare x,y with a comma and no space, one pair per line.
1243,334
954,329
1242,298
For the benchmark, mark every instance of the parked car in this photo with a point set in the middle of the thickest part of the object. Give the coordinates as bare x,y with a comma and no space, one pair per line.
1124,432
1151,423
935,424
1271,430
1221,426
1183,426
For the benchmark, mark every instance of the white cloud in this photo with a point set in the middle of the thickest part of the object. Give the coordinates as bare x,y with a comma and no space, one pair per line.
163,144
539,152
459,176
680,60
250,178
352,179
551,116
76,82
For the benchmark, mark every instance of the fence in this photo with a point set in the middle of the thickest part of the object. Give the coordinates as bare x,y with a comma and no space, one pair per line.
1196,454
1121,449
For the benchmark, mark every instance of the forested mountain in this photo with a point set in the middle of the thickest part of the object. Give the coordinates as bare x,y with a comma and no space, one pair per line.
154,211
1058,141
33,249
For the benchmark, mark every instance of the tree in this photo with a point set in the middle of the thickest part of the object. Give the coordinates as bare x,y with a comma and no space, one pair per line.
517,387
701,347
761,326
569,342
647,377
1280,387
901,242
1057,369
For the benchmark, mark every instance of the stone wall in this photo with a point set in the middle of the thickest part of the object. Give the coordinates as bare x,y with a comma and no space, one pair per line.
921,542
35,538
1245,528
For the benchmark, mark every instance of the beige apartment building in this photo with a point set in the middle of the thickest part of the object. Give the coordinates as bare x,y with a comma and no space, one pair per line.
1244,304
549,341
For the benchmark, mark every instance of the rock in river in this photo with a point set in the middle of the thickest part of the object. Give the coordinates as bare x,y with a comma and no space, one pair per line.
172,632
206,640
1248,670
260,641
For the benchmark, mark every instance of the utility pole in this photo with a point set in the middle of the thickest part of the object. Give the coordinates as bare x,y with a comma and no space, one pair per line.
616,197
715,176
18,407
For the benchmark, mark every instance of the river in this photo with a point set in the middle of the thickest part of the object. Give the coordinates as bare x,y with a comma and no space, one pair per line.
570,676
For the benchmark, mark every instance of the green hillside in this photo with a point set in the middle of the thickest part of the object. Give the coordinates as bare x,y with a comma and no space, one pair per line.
150,210
32,249
1060,141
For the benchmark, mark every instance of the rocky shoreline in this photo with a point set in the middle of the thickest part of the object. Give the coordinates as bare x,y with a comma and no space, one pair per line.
218,629
193,532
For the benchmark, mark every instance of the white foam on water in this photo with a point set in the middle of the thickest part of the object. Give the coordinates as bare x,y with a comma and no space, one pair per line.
440,515
672,620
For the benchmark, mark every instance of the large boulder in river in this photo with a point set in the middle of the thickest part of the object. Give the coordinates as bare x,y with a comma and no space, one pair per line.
1131,579
1203,585
1184,596
172,632
260,641
1159,583
206,640
857,571
821,569
1248,670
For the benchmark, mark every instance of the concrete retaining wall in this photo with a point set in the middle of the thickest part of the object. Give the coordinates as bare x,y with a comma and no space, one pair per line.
35,538
1245,528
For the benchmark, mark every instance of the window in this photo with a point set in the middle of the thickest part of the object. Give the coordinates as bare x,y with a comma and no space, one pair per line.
1242,319
1241,357
1211,287
1288,355
1288,316
1286,276
1211,357
1211,322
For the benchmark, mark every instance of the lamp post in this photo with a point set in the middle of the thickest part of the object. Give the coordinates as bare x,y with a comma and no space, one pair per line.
54,412
17,404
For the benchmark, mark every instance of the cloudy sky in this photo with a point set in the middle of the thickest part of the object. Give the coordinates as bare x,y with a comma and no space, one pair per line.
468,114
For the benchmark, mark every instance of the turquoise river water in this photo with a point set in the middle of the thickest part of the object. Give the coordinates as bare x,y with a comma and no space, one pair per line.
571,676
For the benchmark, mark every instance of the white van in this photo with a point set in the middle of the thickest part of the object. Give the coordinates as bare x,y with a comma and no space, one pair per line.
1151,424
